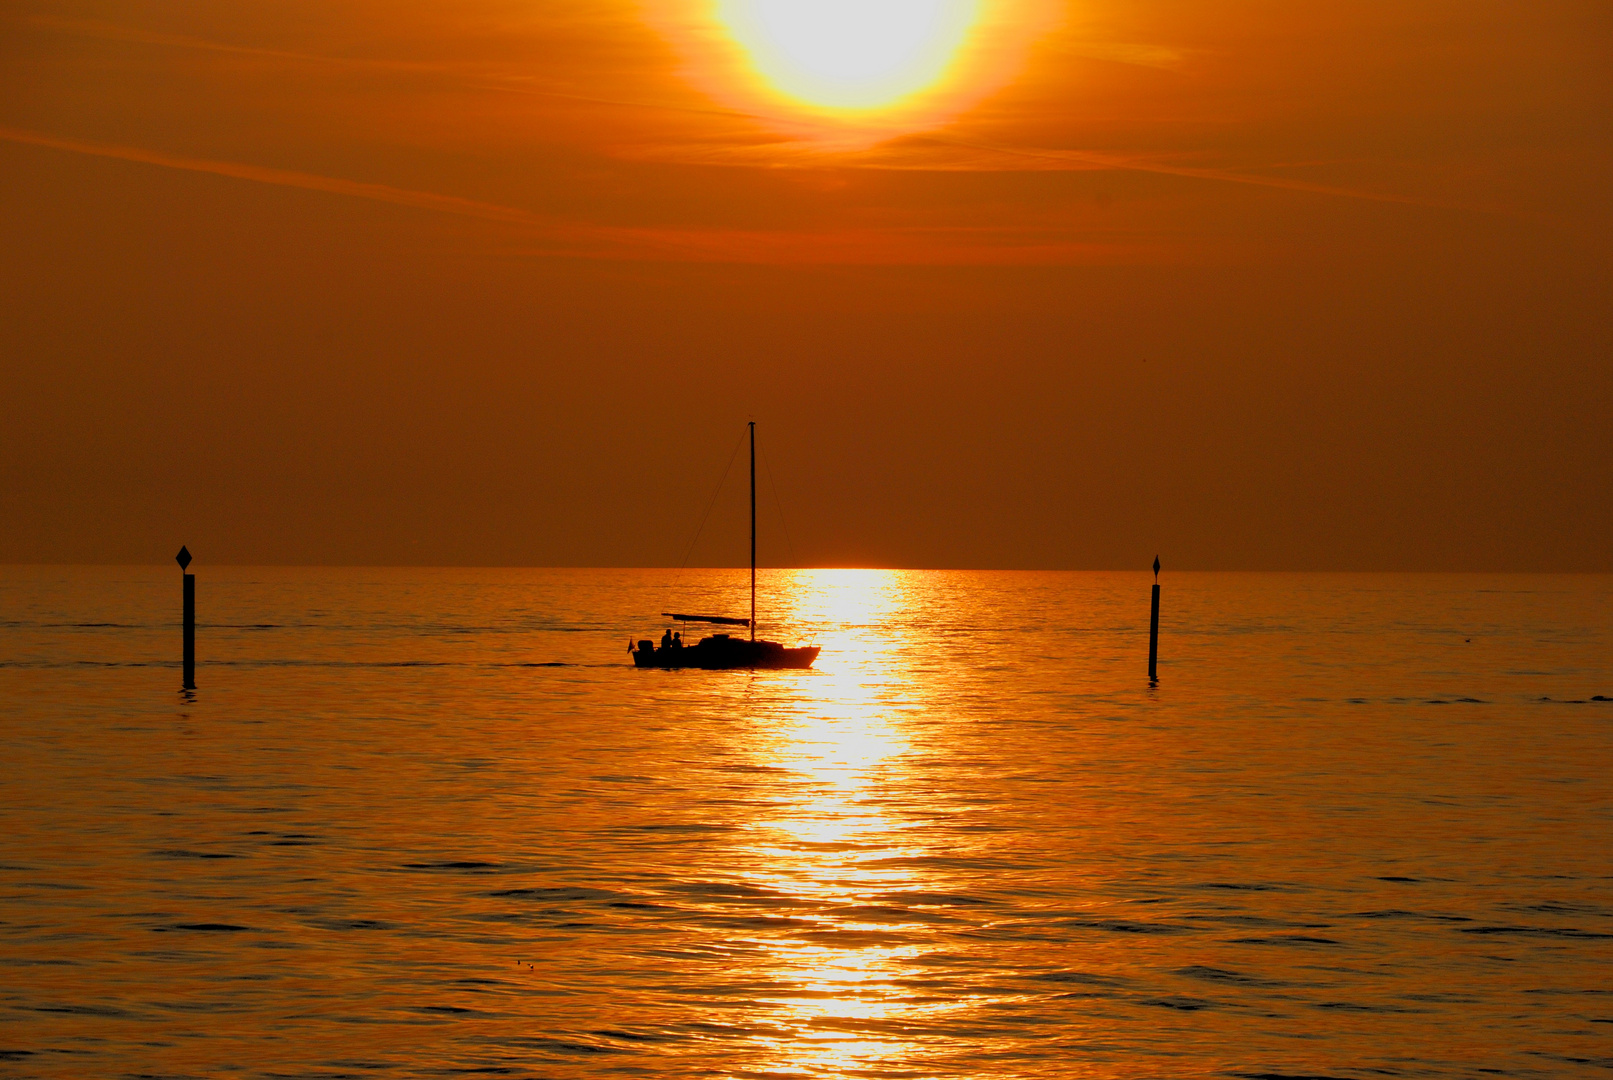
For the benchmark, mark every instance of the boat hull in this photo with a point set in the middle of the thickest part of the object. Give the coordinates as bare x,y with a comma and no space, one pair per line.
721,653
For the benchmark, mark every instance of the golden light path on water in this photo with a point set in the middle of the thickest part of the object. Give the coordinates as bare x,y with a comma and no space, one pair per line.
838,849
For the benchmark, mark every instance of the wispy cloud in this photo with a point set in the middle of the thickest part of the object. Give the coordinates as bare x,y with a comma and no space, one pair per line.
922,246
1117,52
491,77
939,152
1090,159
768,144
105,31
540,235
423,200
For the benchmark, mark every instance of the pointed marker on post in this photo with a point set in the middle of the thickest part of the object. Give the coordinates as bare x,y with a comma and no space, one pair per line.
1153,631
183,559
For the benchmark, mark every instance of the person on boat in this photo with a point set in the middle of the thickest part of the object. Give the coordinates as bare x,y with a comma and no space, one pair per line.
677,640
666,639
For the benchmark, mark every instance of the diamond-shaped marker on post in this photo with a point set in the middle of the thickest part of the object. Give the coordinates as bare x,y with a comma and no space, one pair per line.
183,558
1156,564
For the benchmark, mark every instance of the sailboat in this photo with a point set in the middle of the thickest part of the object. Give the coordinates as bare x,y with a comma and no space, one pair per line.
721,651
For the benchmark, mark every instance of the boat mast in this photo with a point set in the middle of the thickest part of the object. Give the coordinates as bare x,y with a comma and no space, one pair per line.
753,530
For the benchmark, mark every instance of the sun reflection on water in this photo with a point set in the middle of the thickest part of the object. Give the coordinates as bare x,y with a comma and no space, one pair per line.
841,849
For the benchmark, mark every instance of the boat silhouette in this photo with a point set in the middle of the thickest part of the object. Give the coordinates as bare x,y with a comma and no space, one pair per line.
722,651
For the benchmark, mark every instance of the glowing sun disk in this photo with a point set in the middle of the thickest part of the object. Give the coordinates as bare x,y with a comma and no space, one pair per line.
854,55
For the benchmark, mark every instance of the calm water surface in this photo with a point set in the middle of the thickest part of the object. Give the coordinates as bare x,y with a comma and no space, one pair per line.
434,823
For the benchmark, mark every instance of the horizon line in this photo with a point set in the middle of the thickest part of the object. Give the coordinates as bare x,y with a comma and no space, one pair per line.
740,569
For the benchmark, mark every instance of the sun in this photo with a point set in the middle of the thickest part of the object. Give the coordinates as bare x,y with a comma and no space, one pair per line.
849,55
844,73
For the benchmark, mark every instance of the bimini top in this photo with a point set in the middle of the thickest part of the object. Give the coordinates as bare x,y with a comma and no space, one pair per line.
720,620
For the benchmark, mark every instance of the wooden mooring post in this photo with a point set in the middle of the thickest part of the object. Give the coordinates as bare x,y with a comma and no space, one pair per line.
1153,630
183,558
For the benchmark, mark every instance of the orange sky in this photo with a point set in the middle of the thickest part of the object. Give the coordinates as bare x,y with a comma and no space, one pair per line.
1250,284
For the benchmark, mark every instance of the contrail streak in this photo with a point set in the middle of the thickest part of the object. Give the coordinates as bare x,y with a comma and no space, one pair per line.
424,200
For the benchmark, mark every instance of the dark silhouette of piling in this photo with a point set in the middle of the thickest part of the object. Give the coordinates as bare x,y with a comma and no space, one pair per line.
1153,630
753,530
183,558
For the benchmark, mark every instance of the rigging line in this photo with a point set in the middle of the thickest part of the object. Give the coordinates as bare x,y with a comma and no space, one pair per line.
779,503
713,502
